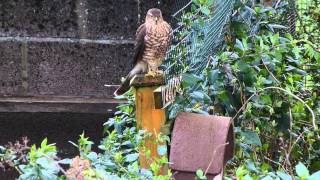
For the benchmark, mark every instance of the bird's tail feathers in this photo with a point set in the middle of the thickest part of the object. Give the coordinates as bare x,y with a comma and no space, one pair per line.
140,67
124,87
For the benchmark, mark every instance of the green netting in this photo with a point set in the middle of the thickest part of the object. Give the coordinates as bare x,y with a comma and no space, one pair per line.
196,47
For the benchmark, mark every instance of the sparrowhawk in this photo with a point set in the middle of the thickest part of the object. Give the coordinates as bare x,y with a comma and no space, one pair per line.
152,41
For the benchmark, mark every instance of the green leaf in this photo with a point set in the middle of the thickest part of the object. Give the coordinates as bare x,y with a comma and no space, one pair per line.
302,171
92,156
247,177
44,143
239,45
47,164
315,176
65,161
190,79
132,157
267,178
213,75
250,165
162,150
200,96
250,10
251,137
284,176
200,174
205,10
147,173
277,26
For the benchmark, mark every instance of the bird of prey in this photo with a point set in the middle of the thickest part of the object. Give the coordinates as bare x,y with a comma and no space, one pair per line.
152,41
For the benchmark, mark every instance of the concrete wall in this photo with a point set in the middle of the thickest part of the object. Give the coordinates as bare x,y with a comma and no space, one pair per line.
68,48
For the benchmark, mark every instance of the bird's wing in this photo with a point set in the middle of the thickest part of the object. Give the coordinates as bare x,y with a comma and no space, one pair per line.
139,44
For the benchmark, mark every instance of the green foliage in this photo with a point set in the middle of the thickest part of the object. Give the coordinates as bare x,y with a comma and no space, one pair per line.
308,23
118,158
268,82
250,171
200,175
43,163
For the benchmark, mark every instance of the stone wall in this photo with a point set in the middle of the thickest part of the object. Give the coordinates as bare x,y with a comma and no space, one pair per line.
68,48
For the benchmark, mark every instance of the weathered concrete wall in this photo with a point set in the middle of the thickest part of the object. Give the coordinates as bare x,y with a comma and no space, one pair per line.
68,48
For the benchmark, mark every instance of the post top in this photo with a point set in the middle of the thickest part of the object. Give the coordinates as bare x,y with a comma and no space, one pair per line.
141,80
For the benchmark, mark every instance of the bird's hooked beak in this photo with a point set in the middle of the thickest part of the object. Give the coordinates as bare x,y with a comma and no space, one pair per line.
156,18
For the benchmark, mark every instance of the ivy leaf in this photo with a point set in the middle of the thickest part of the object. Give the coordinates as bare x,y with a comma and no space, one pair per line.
190,79
252,11
247,177
44,162
162,150
205,10
174,110
250,165
65,161
251,137
315,176
267,178
302,170
147,173
92,156
275,26
48,175
200,96
284,176
213,75
132,157
200,174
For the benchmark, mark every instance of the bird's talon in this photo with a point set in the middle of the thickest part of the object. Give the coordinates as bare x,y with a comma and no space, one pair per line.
151,74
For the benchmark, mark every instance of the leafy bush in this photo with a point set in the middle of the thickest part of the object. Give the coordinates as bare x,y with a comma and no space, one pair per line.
268,82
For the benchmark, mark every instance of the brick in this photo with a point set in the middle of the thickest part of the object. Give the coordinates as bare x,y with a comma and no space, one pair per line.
54,18
76,69
110,19
94,19
10,69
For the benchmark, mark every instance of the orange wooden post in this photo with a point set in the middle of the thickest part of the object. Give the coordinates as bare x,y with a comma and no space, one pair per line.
148,117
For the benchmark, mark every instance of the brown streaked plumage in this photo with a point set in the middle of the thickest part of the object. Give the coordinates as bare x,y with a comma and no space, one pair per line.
152,41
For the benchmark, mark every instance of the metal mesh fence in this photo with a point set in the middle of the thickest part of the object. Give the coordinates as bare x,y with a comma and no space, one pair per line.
195,47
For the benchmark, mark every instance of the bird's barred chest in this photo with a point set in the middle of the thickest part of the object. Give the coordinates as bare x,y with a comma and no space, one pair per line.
155,48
